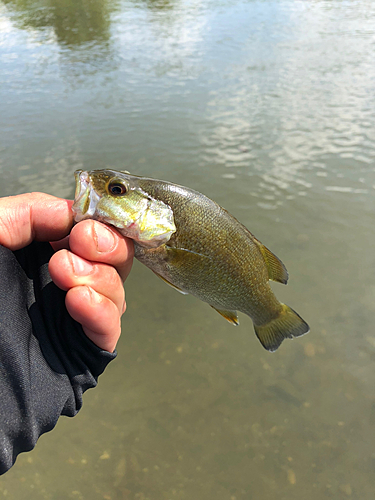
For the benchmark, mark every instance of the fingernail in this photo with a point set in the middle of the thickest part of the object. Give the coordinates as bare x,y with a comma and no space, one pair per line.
80,267
105,240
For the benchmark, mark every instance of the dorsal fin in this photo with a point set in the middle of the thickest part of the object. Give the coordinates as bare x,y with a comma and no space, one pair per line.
276,269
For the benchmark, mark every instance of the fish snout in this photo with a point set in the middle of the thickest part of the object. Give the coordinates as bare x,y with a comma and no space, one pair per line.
86,198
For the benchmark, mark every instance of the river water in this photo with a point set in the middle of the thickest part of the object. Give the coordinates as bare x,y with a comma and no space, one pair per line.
268,107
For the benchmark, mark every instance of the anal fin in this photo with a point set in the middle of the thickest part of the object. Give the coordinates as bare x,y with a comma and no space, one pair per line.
230,316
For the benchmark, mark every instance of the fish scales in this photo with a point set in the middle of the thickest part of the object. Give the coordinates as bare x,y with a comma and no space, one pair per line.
228,270
194,245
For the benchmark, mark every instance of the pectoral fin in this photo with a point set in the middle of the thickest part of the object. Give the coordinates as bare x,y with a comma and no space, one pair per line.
181,254
180,258
230,316
276,269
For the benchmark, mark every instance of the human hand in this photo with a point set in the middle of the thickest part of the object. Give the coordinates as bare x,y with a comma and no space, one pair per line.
90,264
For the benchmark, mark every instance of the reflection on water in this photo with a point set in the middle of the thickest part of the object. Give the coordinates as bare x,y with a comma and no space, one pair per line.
159,4
74,22
267,107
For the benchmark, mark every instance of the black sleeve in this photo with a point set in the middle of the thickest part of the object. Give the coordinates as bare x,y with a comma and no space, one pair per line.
46,360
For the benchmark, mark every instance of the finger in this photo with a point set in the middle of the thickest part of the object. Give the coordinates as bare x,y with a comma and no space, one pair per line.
33,216
98,315
69,270
60,244
99,242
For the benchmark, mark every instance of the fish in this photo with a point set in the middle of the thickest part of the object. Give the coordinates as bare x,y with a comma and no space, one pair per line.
194,245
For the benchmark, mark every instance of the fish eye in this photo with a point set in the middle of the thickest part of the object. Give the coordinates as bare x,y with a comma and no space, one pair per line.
117,188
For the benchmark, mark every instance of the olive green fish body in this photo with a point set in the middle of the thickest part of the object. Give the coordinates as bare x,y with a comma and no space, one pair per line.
194,245
215,259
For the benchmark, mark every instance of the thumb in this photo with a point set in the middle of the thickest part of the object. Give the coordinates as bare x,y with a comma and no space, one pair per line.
33,216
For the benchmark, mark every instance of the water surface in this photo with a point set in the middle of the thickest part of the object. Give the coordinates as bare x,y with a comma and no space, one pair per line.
267,107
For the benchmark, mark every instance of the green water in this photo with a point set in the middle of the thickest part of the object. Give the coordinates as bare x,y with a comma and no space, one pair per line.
269,108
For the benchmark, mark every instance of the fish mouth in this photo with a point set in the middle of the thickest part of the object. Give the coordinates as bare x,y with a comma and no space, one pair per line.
86,198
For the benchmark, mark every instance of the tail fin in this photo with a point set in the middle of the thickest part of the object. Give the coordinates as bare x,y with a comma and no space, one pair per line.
287,325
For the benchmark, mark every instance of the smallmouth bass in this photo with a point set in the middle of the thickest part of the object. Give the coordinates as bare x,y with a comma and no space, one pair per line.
194,245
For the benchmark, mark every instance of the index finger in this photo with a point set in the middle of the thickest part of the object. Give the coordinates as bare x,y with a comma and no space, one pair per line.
33,216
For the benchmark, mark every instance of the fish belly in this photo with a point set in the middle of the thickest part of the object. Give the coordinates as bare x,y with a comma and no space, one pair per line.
210,280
